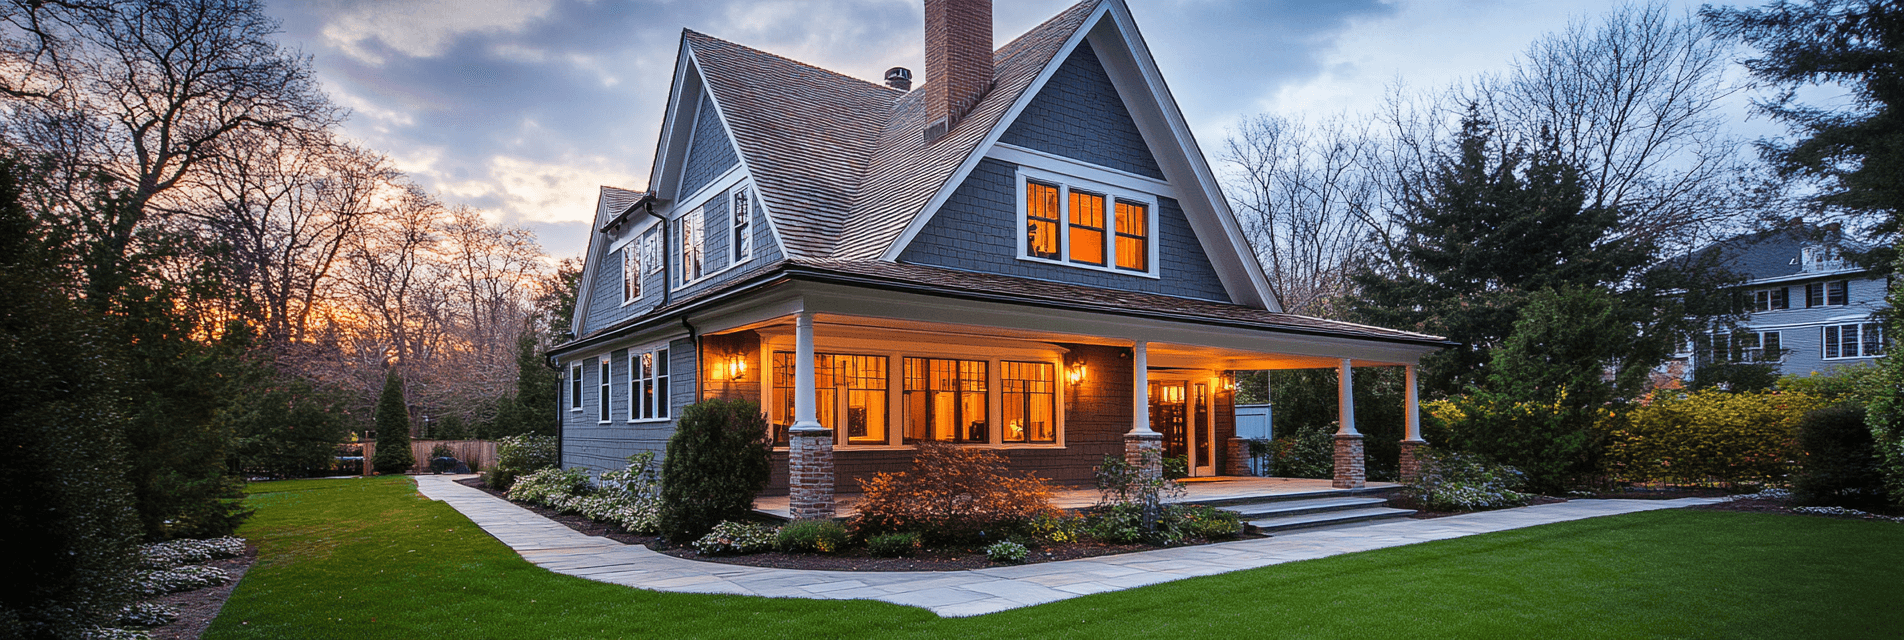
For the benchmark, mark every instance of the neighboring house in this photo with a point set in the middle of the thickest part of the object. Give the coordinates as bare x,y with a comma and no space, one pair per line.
1808,309
1029,254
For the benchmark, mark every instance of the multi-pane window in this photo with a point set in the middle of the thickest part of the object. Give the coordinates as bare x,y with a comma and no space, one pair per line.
1087,228
1836,293
742,244
1771,299
850,396
1041,214
946,400
1862,340
648,384
1133,236
630,272
693,245
601,401
1030,401
651,252
575,387
1087,225
1742,346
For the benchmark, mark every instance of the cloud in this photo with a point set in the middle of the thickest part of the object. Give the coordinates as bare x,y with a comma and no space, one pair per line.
424,28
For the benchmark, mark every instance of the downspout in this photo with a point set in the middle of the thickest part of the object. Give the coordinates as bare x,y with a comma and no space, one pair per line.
561,417
695,337
667,257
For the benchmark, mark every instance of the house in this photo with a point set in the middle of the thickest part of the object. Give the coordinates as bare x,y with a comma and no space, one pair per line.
1027,253
1808,309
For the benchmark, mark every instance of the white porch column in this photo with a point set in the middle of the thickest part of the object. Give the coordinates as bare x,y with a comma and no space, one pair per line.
1350,465
805,415
1143,446
1410,467
809,443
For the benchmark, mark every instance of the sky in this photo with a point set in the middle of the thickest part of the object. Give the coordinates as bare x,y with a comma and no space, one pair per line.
523,108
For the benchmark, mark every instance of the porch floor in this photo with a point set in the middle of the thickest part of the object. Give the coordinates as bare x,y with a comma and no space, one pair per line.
1218,490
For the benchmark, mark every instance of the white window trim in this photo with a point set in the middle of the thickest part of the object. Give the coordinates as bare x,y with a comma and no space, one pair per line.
663,396
631,253
743,251
1111,195
1824,344
576,386
682,244
604,404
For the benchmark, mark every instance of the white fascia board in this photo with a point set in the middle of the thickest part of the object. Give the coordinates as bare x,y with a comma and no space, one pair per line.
670,146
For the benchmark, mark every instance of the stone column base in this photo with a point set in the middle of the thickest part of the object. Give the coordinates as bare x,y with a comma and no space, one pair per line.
1350,472
1236,462
1411,459
1145,451
810,474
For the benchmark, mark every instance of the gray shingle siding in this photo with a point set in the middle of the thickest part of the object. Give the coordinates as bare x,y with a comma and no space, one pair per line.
590,444
719,239
605,308
710,152
1801,329
977,230
1078,115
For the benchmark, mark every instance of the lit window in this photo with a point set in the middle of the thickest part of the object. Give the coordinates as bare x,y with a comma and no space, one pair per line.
648,384
1041,210
1133,236
601,403
1087,228
946,400
1863,340
1030,399
849,396
743,240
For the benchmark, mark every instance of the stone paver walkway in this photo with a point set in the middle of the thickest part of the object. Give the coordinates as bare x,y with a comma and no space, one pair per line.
560,549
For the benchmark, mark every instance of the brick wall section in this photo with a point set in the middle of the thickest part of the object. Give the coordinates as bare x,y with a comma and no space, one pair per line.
710,152
1410,467
1145,450
1350,472
1097,414
1079,115
1224,432
958,57
1236,457
716,382
977,230
810,494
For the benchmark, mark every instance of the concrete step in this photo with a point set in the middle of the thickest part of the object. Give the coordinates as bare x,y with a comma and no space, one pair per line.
1380,492
1328,518
1272,508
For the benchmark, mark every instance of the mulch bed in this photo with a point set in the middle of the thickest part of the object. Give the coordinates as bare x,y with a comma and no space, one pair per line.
197,608
850,560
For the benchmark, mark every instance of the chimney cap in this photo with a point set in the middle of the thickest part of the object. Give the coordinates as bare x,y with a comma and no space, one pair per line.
899,78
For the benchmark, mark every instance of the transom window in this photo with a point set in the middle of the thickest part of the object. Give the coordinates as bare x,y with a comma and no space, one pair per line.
648,384
1861,340
1088,225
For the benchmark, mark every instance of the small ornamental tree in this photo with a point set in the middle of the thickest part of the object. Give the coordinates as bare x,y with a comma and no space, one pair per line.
393,428
951,494
716,463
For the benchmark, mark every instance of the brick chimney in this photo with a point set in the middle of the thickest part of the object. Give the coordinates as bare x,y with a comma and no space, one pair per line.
958,61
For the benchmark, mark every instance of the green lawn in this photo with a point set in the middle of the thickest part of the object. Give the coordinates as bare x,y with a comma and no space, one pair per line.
369,558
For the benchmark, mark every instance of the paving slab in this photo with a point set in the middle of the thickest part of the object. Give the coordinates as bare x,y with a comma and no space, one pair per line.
974,592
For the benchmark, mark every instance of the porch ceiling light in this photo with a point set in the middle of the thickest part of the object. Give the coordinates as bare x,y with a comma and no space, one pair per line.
1076,373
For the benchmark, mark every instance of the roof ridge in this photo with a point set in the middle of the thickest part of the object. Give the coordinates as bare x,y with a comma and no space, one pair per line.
797,62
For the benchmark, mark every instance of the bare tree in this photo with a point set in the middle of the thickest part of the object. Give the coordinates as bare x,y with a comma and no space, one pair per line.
1311,201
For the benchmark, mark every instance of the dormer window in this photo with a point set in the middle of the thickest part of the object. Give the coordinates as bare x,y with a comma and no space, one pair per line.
1083,224
741,214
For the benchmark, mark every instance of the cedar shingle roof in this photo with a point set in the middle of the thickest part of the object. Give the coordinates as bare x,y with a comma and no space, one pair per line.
840,162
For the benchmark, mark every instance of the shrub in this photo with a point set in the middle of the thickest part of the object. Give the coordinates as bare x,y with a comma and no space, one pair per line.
1007,551
811,536
172,553
442,451
550,487
393,428
716,463
893,545
1131,491
1839,464
1707,435
630,496
282,427
518,455
1303,452
951,494
1056,527
1207,522
1176,467
1453,481
736,538
177,579
148,614
1555,444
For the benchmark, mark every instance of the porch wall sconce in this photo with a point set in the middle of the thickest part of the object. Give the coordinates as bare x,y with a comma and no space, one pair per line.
1075,373
1229,383
736,366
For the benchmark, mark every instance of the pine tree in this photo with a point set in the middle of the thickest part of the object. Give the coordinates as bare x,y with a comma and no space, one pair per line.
393,427
532,409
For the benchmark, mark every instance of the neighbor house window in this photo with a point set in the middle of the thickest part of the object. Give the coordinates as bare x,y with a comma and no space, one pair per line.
1836,293
1030,401
1085,224
575,387
601,403
693,254
741,215
648,384
1770,299
630,272
1862,340
946,400
1741,346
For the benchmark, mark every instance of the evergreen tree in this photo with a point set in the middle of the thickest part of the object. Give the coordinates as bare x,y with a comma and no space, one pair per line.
532,410
393,427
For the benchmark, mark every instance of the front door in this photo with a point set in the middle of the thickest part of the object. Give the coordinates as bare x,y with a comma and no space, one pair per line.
1168,417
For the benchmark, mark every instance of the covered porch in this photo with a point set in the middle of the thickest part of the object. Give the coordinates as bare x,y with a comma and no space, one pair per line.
852,377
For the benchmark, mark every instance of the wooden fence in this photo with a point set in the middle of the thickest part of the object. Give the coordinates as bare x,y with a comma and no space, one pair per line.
478,454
